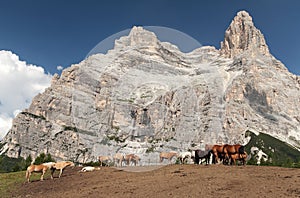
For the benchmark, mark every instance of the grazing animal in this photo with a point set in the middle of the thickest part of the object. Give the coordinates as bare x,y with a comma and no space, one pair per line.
182,156
61,166
118,159
202,154
167,155
132,158
89,169
232,149
240,157
218,153
105,159
42,168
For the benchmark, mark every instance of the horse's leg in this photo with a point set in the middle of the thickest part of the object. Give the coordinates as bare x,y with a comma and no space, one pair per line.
61,170
52,172
28,173
216,157
42,176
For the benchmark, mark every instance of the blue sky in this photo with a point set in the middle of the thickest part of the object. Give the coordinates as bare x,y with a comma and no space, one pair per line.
50,33
37,36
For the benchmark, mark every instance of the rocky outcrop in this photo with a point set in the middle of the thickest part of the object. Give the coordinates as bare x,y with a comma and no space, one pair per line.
146,96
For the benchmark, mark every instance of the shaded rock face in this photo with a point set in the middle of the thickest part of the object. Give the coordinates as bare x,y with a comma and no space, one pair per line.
149,94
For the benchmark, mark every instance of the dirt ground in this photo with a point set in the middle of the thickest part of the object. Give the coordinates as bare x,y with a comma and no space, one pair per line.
169,181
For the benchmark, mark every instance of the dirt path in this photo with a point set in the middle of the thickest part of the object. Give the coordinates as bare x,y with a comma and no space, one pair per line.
170,181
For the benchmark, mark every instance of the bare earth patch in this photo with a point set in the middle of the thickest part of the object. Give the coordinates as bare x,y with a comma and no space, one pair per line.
169,181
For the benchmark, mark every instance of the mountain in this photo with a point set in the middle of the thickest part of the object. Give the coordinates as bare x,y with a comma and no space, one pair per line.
146,96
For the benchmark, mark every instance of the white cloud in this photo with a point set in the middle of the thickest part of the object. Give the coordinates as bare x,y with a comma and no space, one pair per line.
59,68
19,83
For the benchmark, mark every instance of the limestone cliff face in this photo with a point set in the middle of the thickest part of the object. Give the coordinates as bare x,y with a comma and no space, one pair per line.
144,96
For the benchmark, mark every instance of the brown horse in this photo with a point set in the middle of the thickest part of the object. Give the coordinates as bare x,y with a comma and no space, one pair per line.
229,150
167,155
132,158
42,168
105,159
61,166
240,157
218,152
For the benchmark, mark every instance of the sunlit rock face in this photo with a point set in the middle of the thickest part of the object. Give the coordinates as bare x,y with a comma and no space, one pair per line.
243,36
146,96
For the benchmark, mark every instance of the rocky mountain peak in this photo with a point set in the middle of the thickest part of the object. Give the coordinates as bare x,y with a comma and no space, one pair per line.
242,36
138,37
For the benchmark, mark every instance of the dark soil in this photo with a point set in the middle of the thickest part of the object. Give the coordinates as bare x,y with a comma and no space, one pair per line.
169,181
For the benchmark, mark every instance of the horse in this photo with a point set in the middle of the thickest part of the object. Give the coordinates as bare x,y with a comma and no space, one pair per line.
202,154
39,168
119,158
232,149
132,158
167,155
89,169
240,157
105,159
182,156
218,153
61,166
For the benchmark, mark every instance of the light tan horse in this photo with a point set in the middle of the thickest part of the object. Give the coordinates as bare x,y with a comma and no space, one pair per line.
118,159
105,159
167,155
42,168
61,166
132,158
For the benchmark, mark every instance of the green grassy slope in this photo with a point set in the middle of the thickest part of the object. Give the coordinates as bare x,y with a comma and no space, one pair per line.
279,153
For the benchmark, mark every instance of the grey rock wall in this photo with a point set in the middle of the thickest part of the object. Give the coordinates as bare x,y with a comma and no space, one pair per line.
149,94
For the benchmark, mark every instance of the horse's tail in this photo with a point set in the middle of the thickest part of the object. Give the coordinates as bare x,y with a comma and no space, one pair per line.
197,158
242,149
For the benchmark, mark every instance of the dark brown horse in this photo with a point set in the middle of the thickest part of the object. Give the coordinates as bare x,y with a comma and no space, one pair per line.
202,154
229,150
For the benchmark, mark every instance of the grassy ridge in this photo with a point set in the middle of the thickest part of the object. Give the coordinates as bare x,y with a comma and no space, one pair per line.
10,182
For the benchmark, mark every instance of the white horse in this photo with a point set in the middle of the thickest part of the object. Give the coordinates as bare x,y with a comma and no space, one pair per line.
182,156
89,169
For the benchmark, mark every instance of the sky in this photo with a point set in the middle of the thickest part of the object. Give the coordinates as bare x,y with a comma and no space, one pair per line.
39,38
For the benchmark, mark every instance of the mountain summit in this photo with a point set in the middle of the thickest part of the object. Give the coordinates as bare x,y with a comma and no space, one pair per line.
242,36
146,96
